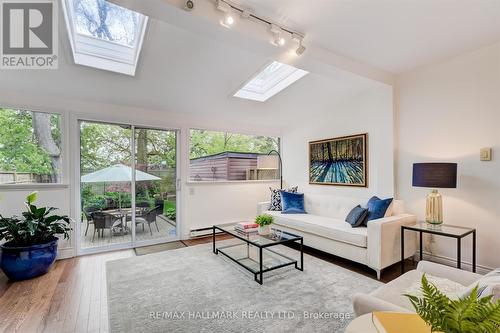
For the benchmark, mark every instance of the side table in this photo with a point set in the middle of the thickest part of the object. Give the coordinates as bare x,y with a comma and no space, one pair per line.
445,230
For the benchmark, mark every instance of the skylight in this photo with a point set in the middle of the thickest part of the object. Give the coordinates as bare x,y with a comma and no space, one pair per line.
104,35
270,81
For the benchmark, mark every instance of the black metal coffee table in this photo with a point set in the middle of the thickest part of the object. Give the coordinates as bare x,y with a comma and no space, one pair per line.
254,253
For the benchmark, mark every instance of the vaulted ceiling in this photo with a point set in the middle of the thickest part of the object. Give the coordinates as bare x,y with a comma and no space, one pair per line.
393,35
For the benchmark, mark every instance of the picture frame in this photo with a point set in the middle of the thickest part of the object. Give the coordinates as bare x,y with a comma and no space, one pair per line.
340,161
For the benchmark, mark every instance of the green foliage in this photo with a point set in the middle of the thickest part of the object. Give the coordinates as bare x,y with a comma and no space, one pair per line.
37,225
169,209
19,149
205,143
264,219
469,314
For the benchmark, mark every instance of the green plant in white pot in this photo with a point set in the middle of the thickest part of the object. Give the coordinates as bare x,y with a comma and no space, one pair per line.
264,221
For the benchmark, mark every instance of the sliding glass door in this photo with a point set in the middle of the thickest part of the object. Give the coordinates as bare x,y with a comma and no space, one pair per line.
155,184
127,185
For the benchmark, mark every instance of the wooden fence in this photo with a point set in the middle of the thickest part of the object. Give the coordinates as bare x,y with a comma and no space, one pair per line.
12,177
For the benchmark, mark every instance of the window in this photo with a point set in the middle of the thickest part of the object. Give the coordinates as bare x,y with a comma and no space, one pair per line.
104,35
30,147
270,81
224,156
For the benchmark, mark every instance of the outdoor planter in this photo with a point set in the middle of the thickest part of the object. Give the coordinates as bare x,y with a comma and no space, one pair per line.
26,262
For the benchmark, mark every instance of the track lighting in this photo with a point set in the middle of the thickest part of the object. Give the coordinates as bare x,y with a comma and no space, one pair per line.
228,19
300,48
230,9
278,38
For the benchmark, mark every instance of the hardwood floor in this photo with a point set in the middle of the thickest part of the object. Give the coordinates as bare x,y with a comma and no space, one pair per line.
72,296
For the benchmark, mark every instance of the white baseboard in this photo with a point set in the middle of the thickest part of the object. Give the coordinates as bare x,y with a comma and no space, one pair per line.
65,253
453,262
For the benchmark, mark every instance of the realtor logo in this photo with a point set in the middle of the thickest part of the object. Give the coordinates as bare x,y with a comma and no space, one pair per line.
29,39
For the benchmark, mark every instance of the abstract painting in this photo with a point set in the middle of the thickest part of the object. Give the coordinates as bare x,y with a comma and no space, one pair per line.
339,161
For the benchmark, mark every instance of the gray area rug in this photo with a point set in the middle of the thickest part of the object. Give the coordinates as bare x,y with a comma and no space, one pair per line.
194,290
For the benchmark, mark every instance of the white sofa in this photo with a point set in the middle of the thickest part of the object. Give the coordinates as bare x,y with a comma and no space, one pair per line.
389,297
324,228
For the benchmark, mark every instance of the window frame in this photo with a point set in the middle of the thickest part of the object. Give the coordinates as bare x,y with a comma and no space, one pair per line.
273,87
64,183
106,55
222,182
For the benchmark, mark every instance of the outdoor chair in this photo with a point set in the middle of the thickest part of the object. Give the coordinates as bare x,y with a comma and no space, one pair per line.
149,217
89,212
104,221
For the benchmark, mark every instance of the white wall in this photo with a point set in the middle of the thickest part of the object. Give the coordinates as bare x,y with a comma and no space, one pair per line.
447,112
369,112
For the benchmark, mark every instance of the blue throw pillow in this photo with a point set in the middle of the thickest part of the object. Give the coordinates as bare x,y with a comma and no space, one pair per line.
292,203
357,216
377,207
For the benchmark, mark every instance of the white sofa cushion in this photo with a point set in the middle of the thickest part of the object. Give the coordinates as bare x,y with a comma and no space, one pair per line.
327,227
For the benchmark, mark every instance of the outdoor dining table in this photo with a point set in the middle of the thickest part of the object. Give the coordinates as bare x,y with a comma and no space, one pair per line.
122,214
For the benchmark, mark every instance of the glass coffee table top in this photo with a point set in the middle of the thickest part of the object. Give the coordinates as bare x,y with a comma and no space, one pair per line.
276,236
445,229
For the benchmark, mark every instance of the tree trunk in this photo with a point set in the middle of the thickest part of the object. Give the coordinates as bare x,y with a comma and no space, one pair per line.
43,135
142,150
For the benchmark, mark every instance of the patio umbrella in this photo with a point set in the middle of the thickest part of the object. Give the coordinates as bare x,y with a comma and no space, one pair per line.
115,174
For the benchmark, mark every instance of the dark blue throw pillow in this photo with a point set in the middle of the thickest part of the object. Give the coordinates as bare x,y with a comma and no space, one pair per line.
292,203
377,208
357,216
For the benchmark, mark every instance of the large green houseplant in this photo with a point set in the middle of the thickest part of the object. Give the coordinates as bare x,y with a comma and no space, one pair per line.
31,242
469,314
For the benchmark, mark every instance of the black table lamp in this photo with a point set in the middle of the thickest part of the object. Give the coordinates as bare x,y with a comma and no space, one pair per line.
434,175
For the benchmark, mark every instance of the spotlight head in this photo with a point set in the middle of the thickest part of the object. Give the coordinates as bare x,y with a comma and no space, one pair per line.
280,41
228,20
189,5
301,49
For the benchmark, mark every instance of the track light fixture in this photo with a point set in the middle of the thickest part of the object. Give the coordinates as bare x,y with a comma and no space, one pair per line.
228,19
278,38
228,8
300,48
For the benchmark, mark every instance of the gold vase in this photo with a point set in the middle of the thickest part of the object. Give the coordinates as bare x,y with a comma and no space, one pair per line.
434,208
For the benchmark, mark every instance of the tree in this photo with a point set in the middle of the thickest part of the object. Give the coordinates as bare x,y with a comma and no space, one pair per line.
106,21
20,150
42,129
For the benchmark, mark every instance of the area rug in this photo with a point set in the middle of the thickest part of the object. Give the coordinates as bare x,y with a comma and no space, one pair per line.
194,290
140,251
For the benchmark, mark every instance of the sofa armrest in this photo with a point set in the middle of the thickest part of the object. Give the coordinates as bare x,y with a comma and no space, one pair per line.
364,303
384,240
465,278
262,207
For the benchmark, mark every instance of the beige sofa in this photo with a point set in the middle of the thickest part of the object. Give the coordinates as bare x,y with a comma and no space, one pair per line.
389,297
324,228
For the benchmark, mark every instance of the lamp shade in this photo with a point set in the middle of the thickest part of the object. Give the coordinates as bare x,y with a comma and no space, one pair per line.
435,175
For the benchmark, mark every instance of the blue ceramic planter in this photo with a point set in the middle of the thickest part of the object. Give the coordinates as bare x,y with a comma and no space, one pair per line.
26,262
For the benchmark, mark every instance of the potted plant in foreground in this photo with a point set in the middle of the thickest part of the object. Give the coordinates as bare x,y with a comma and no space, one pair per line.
31,242
264,221
469,314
